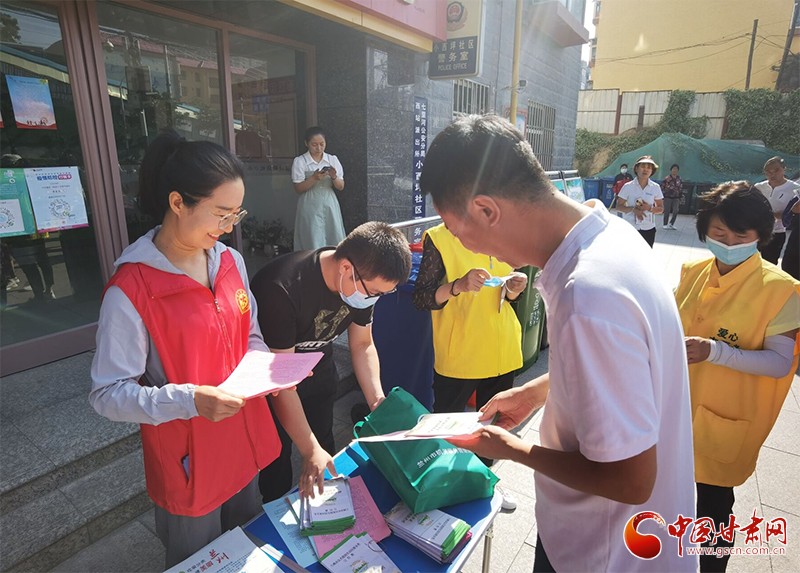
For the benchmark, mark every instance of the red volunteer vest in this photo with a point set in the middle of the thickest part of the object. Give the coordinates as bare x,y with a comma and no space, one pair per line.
200,337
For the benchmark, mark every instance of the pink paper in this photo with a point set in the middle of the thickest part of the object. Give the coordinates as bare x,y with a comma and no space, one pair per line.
368,519
260,373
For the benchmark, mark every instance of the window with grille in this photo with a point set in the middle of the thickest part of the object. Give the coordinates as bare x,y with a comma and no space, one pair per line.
469,97
540,132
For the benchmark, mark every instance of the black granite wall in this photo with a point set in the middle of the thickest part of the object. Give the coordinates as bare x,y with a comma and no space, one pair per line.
366,88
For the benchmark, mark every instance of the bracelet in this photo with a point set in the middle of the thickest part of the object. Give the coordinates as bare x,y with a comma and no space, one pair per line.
452,286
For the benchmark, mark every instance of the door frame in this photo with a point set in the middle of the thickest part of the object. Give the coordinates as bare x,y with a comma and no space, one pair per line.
80,33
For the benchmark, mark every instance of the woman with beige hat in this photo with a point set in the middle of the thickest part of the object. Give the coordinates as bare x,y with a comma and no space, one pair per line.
641,199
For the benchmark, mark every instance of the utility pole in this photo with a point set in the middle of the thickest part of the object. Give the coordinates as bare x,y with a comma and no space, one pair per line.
788,44
512,115
750,57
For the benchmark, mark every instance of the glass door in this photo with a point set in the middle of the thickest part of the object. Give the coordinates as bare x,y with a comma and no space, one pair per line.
50,278
268,85
162,72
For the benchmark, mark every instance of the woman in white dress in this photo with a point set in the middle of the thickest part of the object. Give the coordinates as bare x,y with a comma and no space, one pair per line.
316,175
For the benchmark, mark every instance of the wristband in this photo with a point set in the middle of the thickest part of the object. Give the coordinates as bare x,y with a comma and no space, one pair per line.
452,286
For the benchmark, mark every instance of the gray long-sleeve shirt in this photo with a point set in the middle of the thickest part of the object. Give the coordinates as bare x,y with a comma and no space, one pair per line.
125,350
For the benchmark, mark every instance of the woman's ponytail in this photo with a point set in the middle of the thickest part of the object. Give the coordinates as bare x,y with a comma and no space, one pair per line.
192,168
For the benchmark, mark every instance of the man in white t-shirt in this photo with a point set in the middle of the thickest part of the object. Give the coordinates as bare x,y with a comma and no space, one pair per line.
616,432
779,191
642,199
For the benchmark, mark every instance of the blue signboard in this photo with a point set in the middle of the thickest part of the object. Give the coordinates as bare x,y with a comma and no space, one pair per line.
420,147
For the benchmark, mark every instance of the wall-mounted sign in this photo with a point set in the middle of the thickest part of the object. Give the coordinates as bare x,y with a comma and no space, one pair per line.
420,147
31,101
57,198
461,55
16,214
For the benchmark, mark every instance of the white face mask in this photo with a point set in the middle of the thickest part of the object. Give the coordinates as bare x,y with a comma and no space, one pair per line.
623,170
731,255
358,299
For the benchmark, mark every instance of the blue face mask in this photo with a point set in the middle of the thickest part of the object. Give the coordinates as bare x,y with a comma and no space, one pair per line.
731,255
358,299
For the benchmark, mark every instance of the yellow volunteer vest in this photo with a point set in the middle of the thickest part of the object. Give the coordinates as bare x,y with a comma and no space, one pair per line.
732,412
473,337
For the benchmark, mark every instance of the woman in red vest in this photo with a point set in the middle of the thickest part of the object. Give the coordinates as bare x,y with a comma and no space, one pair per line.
176,319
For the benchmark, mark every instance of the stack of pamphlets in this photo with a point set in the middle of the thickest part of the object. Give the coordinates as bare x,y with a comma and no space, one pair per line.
358,553
435,533
330,512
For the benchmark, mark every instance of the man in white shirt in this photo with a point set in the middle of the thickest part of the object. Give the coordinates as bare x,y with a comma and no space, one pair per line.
641,199
616,432
779,191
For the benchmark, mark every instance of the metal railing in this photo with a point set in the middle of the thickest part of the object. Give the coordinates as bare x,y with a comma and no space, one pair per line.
414,228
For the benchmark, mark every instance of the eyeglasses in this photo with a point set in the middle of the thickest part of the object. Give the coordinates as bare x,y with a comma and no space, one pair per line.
366,290
226,221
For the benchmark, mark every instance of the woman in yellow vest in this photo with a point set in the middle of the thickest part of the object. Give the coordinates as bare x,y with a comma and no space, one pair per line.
741,316
477,339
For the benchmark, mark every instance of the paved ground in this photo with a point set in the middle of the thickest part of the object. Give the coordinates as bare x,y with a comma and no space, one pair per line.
773,490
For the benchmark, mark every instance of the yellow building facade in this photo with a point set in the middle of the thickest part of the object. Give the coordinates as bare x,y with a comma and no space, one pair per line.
701,45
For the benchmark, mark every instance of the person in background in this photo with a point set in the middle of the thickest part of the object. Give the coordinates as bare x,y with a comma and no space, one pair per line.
741,317
791,221
477,338
779,191
672,188
316,176
621,179
176,319
641,199
306,300
623,175
616,429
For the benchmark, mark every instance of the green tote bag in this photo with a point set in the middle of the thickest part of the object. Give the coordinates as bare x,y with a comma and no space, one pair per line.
426,474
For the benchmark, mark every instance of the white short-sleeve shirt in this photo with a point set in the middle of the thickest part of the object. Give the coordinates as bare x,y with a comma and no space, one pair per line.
305,163
778,198
632,191
619,385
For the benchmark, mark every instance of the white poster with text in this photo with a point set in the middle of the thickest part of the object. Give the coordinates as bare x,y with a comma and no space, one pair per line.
57,198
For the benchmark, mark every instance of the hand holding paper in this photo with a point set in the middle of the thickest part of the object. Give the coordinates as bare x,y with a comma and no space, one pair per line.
260,373
436,426
491,442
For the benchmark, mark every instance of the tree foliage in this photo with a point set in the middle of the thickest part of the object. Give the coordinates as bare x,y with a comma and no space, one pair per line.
676,119
9,29
764,114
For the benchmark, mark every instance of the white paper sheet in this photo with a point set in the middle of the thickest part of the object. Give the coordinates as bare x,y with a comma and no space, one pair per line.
260,373
359,554
57,198
233,552
288,526
436,426
11,221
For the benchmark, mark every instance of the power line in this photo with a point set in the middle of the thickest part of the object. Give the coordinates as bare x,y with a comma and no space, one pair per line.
686,61
752,74
770,42
717,42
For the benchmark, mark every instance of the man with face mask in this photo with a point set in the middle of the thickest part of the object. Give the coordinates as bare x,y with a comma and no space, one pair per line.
623,175
306,300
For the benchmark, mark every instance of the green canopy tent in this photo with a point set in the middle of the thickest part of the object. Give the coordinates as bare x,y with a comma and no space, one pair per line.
704,160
